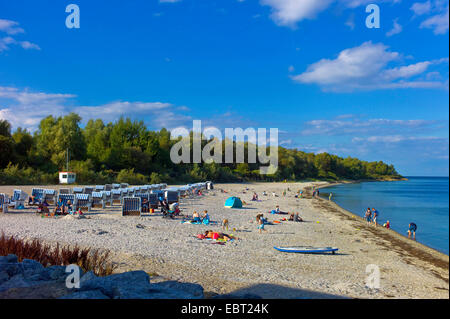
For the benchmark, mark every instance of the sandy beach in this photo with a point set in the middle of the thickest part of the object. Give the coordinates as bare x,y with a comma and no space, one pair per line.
169,249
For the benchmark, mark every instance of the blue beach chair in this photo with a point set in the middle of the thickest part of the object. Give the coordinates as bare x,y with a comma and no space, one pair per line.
131,206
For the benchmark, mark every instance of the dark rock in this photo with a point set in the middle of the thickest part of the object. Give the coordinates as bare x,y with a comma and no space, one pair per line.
17,281
57,272
131,281
3,277
31,267
11,258
183,290
87,276
12,268
89,294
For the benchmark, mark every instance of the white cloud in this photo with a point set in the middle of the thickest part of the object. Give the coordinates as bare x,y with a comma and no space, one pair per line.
289,12
439,23
421,8
26,109
396,29
10,27
366,68
351,22
350,125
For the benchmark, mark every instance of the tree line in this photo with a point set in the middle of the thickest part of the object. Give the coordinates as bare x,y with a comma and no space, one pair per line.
127,151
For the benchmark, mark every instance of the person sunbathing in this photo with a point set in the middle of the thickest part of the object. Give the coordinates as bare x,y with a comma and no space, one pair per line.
211,234
255,197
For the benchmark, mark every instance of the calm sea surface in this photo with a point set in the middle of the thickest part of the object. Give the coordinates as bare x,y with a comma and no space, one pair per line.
422,200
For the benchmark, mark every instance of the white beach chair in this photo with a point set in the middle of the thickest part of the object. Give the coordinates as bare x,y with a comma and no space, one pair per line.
98,199
4,201
83,201
50,195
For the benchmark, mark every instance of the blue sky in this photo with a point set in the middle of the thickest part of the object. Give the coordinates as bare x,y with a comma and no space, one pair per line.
310,68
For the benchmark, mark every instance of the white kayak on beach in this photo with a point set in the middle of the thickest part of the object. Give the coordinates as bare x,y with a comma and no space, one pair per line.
306,249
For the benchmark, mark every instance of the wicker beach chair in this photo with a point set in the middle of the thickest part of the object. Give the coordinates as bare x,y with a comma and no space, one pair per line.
98,200
145,205
153,201
88,190
50,196
99,188
115,186
83,201
124,185
65,198
108,198
64,190
4,203
18,199
131,206
38,195
77,190
171,196
108,187
116,196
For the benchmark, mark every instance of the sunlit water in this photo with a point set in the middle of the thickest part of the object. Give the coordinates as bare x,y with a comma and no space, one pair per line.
422,200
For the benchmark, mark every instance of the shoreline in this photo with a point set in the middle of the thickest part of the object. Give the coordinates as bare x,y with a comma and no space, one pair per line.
170,249
389,231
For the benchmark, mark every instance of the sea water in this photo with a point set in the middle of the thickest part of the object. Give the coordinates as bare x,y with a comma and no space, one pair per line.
422,200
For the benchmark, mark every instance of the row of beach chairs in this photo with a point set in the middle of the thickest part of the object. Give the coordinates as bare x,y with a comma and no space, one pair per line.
132,199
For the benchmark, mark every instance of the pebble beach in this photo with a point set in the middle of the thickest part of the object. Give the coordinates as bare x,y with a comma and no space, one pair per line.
169,249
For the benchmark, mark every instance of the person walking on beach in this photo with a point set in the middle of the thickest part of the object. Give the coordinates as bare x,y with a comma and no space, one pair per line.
368,216
412,229
261,225
374,216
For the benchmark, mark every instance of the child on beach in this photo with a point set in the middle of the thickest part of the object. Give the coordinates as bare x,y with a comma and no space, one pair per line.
261,225
196,217
205,219
225,224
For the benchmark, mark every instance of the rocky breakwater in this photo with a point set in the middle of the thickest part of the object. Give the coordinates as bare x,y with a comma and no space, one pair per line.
30,279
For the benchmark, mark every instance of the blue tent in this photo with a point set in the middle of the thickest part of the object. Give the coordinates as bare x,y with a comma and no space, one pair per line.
233,202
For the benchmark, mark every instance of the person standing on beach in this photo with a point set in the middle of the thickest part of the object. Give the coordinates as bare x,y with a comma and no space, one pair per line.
331,195
374,216
368,216
412,229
